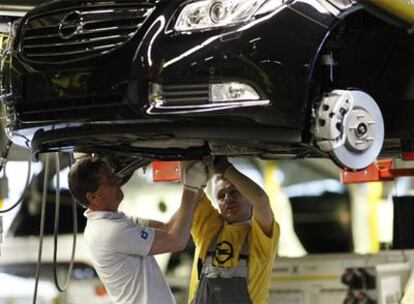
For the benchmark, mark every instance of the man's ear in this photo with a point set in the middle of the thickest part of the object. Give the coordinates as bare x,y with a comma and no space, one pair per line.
90,197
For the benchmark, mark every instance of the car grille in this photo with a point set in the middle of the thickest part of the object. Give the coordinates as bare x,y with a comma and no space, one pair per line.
181,94
75,33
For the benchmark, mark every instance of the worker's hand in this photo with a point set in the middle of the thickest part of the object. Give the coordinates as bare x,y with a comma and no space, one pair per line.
221,164
194,174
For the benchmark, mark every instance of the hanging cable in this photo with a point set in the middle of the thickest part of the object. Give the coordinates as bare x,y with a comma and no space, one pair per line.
42,227
56,231
26,187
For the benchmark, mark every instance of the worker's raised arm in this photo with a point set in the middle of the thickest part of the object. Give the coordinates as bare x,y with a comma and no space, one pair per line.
257,197
161,225
175,237
152,223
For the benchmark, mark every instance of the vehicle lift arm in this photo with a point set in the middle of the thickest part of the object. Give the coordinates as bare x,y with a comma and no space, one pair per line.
379,171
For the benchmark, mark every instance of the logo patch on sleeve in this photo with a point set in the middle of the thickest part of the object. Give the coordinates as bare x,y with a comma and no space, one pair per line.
144,235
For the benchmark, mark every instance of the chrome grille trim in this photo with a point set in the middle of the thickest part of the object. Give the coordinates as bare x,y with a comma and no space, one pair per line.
82,32
94,49
96,31
79,42
87,22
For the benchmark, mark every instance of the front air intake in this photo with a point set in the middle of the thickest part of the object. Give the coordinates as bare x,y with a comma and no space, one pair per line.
89,29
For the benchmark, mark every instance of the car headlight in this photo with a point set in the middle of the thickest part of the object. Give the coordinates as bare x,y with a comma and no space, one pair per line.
206,14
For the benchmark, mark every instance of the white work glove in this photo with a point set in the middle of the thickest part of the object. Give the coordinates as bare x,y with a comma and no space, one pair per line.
194,175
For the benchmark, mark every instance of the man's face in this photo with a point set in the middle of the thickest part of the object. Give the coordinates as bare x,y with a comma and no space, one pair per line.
109,195
233,206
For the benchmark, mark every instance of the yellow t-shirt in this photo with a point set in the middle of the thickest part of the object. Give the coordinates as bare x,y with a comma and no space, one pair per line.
262,249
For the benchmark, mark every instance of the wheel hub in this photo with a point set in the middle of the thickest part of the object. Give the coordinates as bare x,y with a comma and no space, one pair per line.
360,133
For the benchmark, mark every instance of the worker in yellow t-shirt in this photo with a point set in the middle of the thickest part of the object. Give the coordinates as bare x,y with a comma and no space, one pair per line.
235,246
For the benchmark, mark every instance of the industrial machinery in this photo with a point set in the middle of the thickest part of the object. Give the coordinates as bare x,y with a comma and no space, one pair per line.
342,278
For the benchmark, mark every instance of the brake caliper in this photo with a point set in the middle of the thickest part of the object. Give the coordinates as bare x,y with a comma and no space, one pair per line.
330,117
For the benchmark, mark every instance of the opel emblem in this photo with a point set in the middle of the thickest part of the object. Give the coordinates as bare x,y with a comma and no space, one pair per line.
70,25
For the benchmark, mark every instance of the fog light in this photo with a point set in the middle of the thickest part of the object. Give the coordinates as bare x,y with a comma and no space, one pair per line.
155,93
232,91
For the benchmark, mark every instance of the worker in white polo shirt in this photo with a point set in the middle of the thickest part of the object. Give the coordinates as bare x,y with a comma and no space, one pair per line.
122,248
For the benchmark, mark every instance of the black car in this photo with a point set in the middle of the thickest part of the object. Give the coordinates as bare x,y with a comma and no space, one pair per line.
169,79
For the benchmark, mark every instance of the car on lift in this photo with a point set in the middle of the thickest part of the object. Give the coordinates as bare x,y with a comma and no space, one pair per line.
185,79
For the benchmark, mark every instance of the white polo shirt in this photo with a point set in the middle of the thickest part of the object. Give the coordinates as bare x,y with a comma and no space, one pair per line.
119,249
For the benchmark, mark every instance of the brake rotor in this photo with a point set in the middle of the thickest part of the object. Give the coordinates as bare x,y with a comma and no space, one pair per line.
352,128
364,133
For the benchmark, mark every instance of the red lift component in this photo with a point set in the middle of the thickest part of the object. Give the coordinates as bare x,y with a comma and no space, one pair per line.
379,171
407,156
165,171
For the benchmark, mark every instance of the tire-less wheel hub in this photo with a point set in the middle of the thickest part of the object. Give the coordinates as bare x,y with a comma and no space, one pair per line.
360,130
349,126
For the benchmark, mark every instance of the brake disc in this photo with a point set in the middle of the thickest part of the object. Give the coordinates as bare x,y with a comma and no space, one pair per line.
349,126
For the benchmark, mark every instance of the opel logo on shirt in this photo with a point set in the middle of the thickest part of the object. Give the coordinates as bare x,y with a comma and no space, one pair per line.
224,252
70,25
